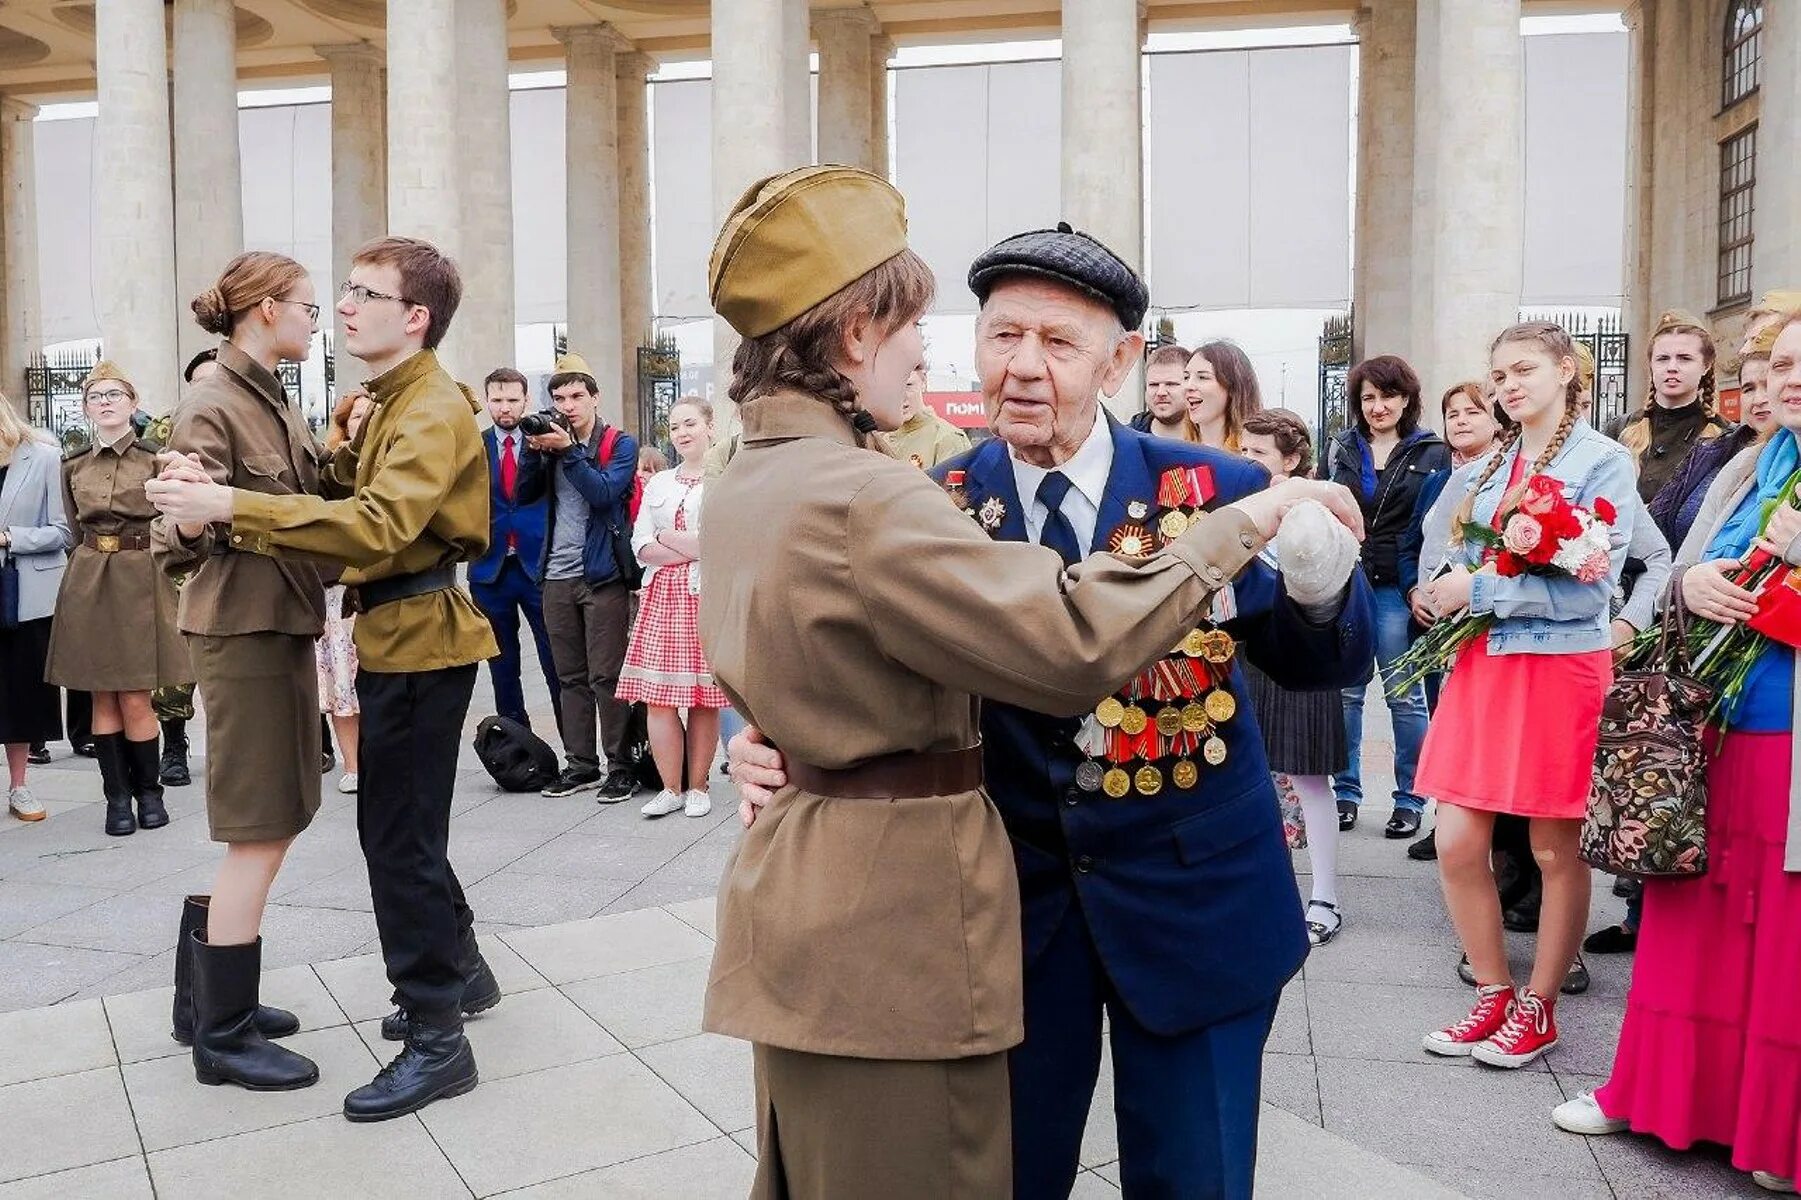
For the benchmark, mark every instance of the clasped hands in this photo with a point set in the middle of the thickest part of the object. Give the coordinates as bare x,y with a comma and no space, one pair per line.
187,495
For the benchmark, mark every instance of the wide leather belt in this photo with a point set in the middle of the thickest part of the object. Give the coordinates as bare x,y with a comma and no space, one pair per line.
112,543
894,776
378,592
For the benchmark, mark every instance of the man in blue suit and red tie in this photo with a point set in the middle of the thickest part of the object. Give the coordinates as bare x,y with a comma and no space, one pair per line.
1155,883
505,581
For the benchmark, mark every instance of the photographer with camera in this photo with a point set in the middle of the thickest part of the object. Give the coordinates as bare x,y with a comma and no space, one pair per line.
586,470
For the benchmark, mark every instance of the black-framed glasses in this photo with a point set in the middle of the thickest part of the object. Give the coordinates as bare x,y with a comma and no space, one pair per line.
109,396
362,295
312,310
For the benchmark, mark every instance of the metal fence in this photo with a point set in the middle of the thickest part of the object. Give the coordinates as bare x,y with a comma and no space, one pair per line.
659,386
1334,370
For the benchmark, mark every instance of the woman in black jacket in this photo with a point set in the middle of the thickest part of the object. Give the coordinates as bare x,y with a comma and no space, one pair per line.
1385,457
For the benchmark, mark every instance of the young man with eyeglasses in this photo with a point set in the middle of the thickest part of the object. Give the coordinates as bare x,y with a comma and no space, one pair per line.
406,500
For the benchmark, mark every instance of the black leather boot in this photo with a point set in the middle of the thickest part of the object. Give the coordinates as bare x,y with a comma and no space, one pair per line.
144,771
481,991
173,770
270,1022
115,782
436,1063
228,1048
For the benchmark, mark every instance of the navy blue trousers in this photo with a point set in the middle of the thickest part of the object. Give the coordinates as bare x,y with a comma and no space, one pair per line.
1185,1106
512,593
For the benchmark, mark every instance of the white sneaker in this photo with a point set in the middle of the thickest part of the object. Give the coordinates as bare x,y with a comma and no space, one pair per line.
1771,1182
698,804
1583,1115
347,783
24,805
662,804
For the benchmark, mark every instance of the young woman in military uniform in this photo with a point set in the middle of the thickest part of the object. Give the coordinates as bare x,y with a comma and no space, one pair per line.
869,926
114,630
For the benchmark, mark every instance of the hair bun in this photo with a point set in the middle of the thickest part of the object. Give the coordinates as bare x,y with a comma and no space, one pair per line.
210,311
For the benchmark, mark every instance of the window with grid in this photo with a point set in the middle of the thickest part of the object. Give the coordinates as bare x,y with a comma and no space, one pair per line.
1744,41
1738,179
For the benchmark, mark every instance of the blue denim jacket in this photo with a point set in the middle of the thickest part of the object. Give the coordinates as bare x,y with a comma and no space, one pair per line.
1538,614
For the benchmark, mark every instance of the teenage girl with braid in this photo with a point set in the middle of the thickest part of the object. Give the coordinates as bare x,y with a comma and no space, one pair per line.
1679,413
1517,725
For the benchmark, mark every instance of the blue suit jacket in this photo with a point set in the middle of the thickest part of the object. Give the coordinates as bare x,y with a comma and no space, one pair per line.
1189,896
525,520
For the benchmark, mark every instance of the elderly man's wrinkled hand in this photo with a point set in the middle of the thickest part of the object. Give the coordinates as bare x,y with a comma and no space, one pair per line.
757,768
1267,508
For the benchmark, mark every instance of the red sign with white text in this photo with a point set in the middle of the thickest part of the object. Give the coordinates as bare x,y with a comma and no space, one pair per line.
962,409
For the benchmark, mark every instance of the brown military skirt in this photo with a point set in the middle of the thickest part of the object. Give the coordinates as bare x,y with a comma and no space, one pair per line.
881,1129
114,627
261,694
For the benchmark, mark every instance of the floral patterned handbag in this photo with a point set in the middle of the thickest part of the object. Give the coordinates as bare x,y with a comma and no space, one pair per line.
1647,809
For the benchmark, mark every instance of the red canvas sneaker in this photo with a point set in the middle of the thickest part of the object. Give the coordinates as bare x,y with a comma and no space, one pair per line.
1494,1003
1528,1032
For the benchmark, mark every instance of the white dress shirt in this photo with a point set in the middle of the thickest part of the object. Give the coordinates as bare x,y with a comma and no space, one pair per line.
1087,471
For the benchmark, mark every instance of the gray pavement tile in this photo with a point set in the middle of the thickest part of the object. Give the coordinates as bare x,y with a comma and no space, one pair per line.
63,1039
624,820
642,1008
126,863
1643,1168
747,1140
1289,1034
360,984
42,1109
141,974
1100,1137
715,1170
482,852
658,892
703,862
1514,1184
517,898
327,1157
141,1020
1295,1158
589,857
527,1032
31,975
519,813
702,914
346,891
561,1122
1090,1186
120,1179
608,945
712,1073
197,880
1588,1033
1343,1026
26,905
126,922
293,935
174,1109
1291,1083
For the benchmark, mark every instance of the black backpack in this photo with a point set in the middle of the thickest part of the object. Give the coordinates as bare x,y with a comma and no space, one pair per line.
518,759
636,749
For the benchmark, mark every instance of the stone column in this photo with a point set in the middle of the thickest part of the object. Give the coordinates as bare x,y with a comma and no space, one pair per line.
209,200
1425,180
1383,305
424,195
1103,113
134,210
846,125
1777,261
1638,304
882,49
797,94
359,173
1478,193
484,183
637,306
592,154
21,308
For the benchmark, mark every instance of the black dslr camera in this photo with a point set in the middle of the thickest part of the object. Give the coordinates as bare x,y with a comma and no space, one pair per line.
537,424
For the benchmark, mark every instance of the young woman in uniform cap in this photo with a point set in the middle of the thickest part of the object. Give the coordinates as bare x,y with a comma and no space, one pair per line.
869,928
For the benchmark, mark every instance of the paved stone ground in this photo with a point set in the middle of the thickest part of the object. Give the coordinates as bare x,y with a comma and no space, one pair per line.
596,1078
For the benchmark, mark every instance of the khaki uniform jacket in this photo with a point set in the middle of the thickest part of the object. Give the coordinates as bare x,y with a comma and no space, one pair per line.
420,500
927,439
851,611
114,628
247,435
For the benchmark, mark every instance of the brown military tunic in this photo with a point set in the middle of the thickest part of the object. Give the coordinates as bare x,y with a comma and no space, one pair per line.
926,439
114,628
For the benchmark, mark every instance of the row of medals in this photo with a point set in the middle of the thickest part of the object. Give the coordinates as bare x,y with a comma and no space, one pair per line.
1200,717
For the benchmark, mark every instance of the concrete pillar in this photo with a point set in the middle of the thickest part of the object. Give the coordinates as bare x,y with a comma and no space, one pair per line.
1638,303
359,173
21,308
592,164
1777,261
1479,201
846,46
1383,304
484,183
424,193
209,200
636,304
134,212
881,50
797,94
1103,114
1422,227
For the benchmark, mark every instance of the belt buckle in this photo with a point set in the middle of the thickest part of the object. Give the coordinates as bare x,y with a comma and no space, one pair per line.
106,543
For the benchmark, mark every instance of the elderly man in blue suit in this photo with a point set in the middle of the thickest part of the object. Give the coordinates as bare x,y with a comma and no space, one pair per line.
508,579
1155,882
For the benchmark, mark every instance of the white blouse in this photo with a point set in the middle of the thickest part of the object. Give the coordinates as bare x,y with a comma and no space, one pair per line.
665,493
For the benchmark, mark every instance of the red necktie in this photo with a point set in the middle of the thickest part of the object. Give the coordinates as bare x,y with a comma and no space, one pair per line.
509,476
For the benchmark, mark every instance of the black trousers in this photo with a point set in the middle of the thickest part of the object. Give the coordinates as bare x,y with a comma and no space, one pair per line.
412,727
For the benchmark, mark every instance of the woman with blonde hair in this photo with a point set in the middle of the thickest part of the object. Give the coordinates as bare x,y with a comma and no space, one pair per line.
1680,411
250,623
34,543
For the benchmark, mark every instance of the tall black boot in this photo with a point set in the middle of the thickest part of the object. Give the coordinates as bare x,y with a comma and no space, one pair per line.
270,1022
481,991
173,770
145,772
435,1064
115,782
228,1048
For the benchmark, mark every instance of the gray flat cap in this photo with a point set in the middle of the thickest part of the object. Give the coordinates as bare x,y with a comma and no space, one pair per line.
1068,257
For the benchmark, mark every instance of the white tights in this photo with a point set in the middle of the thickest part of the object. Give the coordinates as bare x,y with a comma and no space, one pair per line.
1319,808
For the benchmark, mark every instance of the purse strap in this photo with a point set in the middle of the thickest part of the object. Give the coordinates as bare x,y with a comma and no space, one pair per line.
1674,628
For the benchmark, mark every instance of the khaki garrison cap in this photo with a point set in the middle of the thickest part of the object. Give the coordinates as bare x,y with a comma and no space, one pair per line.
798,238
103,370
572,364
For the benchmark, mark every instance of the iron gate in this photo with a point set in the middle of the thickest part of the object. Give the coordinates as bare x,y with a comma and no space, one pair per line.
659,386
1334,370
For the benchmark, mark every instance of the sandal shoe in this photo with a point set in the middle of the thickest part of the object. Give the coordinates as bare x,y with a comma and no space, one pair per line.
1319,932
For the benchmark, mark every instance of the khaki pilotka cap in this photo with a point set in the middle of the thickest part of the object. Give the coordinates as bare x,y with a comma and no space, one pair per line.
796,239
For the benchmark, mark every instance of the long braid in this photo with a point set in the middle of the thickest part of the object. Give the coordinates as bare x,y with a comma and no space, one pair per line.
1467,510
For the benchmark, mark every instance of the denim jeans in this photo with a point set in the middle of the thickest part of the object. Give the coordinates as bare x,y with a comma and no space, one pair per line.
1409,712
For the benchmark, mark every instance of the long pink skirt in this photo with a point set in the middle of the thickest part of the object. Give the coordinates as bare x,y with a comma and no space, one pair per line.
1711,1047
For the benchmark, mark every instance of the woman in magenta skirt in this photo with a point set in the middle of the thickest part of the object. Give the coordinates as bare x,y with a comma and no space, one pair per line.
1711,1047
1520,716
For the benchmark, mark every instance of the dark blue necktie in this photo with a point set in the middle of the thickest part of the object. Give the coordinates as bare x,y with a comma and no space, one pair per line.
1058,533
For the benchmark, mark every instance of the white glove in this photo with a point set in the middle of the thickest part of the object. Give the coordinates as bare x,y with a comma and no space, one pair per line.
1317,554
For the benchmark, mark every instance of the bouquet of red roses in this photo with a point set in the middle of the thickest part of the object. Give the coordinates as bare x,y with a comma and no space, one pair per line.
1543,533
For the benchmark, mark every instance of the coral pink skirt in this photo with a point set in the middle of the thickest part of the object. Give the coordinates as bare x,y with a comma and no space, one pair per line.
1516,733
1711,1047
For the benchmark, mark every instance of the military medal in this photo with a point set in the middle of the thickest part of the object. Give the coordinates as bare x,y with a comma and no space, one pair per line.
1169,721
1214,751
1195,644
1138,510
1217,646
1220,706
1133,541
1173,524
1184,774
1148,780
953,486
1194,717
1089,775
1116,783
992,512
1132,721
1110,712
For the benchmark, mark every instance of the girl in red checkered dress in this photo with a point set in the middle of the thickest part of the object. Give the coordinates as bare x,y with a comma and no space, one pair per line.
664,667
